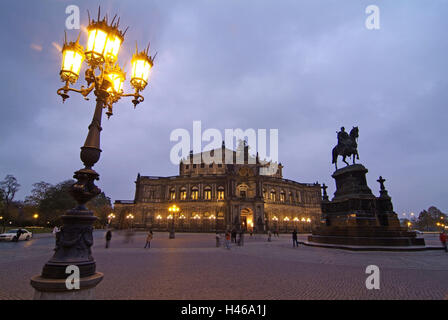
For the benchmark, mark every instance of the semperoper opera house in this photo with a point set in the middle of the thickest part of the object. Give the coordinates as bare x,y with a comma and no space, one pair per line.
247,194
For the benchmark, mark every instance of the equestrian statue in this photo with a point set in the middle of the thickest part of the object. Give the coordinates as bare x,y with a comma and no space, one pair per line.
346,147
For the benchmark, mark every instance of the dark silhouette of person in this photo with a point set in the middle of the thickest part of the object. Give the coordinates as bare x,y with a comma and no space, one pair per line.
295,242
108,238
148,239
18,234
234,235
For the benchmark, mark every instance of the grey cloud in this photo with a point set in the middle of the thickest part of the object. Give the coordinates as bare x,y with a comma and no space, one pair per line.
304,67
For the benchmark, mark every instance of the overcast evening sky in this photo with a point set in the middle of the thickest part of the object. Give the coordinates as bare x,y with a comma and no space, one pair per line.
305,68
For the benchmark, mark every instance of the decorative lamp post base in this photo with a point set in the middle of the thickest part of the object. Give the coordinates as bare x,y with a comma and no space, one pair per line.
72,249
56,289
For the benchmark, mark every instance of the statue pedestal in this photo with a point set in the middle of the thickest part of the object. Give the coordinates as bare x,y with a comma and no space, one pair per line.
355,217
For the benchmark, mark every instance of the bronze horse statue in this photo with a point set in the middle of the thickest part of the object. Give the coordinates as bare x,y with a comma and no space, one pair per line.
346,147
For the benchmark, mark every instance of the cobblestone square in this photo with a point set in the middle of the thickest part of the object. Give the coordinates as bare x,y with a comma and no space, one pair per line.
192,267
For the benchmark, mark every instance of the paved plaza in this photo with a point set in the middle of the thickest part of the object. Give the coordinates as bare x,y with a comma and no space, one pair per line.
191,267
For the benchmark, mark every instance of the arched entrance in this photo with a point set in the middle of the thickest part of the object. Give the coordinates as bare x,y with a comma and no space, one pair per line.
247,219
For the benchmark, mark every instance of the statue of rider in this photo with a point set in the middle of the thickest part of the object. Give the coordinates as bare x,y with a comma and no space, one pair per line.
343,139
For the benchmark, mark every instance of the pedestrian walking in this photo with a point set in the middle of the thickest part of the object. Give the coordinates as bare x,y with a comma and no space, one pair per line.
148,239
269,236
241,239
295,242
18,234
227,241
218,240
129,236
233,236
55,231
108,238
443,239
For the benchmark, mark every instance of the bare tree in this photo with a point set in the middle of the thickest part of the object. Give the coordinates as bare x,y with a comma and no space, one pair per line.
9,187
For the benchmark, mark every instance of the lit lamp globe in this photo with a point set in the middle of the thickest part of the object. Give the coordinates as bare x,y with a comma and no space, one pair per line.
113,43
172,209
97,36
72,58
115,76
141,66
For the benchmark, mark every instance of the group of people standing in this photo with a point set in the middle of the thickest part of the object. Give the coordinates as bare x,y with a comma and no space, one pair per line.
270,233
295,238
149,237
238,238
231,236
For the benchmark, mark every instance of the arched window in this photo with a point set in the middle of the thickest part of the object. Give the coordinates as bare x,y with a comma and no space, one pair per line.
272,195
282,196
291,197
183,193
172,194
208,193
194,193
220,193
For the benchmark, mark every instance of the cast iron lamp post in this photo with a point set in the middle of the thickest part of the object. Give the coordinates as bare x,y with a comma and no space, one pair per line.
105,78
275,219
109,218
308,220
130,217
213,218
173,210
286,219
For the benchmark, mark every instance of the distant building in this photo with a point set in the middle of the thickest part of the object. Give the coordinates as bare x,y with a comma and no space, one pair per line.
248,194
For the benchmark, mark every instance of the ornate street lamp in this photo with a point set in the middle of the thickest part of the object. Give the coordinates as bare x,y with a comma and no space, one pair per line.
308,220
213,218
181,221
295,222
286,220
275,219
109,218
173,210
105,78
130,217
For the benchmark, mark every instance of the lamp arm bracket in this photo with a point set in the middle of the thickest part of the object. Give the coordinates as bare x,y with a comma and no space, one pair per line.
138,98
84,91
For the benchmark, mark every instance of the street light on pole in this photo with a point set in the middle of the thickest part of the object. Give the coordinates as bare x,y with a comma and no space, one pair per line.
286,219
35,217
308,220
213,218
109,218
173,210
105,78
130,217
